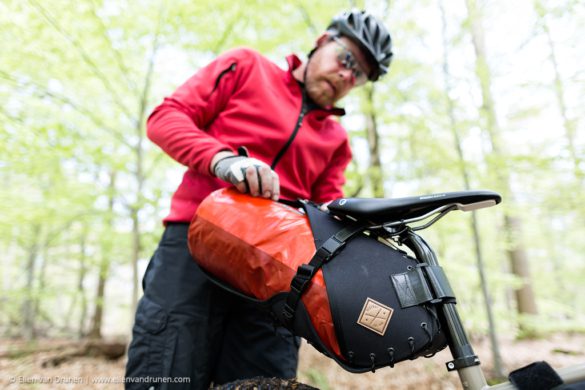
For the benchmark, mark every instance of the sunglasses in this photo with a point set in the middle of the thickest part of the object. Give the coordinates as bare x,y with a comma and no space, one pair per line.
348,60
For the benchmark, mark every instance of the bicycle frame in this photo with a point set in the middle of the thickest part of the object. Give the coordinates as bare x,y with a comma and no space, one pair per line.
465,362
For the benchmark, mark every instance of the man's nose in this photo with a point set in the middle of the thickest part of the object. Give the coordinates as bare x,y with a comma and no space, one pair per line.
347,75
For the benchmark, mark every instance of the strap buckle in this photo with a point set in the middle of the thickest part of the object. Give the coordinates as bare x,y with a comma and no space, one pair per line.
288,313
329,248
303,276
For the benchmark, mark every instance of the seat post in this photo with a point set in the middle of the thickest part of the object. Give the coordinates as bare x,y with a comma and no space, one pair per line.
462,351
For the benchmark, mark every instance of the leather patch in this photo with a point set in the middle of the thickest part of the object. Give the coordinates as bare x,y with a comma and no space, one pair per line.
375,316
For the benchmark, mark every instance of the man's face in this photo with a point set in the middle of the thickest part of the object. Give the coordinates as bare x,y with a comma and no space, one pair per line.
337,66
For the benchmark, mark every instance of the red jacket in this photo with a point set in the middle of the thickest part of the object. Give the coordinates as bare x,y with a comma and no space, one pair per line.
243,99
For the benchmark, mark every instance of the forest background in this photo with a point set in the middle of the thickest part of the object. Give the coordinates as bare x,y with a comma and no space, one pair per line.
482,94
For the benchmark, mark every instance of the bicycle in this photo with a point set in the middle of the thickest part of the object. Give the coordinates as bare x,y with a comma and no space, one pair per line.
395,221
397,216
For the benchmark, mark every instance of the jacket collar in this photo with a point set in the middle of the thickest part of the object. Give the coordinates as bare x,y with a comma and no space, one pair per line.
294,62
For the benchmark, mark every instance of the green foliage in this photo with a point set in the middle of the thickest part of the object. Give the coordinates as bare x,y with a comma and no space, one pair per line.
73,77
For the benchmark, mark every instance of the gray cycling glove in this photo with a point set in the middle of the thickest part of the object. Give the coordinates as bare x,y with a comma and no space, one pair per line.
233,169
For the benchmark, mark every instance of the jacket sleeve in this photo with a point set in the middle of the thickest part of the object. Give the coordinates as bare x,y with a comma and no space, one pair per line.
329,185
178,125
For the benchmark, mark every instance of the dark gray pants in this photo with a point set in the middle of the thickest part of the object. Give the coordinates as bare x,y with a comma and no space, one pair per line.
186,326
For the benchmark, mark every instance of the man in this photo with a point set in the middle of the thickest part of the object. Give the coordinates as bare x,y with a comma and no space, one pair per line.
289,148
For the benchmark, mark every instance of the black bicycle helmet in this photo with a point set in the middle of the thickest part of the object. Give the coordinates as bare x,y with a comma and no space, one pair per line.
369,33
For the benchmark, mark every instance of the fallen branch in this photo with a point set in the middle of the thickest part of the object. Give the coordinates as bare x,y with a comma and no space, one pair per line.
92,348
30,349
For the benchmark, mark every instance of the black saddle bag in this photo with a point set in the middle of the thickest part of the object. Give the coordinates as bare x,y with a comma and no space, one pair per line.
381,300
383,303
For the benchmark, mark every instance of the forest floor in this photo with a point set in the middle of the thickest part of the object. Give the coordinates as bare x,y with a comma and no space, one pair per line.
26,370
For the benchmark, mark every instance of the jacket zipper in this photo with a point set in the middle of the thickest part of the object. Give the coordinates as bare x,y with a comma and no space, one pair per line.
293,135
230,68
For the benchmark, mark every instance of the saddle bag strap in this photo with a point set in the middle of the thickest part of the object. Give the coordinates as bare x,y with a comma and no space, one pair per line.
263,304
305,272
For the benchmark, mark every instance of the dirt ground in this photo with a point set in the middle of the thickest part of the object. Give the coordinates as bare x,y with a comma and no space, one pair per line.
27,372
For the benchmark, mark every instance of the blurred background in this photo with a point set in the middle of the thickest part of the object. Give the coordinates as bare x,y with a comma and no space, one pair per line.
482,94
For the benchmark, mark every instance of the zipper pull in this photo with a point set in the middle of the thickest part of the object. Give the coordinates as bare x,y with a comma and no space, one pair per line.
302,114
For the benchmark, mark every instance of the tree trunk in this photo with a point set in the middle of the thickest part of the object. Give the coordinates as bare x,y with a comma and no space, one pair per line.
474,226
521,268
9,257
139,153
375,172
41,280
135,257
569,125
81,281
525,302
28,331
95,331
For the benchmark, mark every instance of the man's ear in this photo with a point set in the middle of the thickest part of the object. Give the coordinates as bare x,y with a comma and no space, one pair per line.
323,38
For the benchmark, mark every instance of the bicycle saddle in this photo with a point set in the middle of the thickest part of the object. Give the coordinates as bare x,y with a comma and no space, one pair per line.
381,210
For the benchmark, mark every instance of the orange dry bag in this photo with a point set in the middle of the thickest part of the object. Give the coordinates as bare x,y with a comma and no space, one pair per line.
255,246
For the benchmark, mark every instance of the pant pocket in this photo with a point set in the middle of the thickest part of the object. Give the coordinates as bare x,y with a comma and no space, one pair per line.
153,344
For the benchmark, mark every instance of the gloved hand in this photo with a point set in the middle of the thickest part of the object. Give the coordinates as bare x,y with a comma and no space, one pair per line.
249,175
